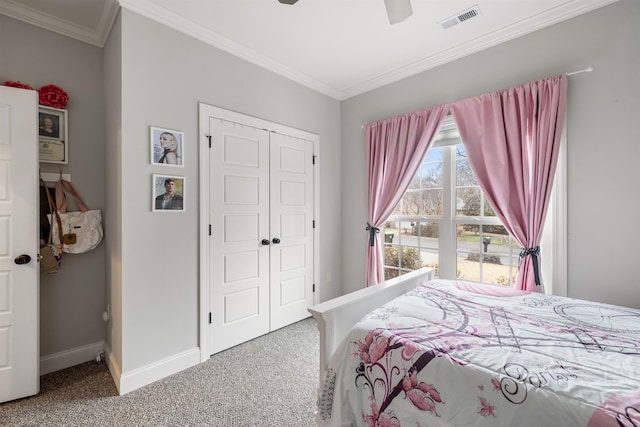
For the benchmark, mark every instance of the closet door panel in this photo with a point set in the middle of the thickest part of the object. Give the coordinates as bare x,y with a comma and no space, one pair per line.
292,224
239,215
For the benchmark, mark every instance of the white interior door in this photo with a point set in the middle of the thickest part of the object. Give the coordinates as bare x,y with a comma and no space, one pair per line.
291,177
239,217
19,283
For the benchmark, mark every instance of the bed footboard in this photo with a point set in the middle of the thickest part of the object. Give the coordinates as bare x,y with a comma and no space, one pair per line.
337,316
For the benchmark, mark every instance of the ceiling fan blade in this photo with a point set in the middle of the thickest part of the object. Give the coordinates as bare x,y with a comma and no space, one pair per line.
398,10
288,1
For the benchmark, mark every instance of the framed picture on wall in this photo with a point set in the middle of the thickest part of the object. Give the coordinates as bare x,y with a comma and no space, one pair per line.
168,193
166,146
53,137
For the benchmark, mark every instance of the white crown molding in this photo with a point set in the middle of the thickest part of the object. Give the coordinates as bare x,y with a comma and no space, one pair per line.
566,11
546,19
148,9
108,16
94,36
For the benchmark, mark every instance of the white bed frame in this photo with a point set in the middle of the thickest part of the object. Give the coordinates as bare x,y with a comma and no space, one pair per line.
336,317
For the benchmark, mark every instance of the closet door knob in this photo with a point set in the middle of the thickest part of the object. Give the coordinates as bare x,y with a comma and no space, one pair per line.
265,242
22,259
275,240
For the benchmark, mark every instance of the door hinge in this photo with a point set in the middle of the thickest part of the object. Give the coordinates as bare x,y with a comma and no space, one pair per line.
314,224
313,158
209,229
209,317
209,136
314,289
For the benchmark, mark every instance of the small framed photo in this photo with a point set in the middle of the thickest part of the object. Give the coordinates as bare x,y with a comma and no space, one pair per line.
166,146
53,137
168,193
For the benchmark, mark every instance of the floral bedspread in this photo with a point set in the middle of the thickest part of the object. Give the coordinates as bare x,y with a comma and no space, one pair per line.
457,353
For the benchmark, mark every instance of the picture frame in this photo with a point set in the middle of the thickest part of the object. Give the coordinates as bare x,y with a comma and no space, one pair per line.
160,186
167,147
53,135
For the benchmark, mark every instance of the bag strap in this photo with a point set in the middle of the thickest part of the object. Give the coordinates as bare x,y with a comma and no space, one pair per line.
61,202
54,211
166,151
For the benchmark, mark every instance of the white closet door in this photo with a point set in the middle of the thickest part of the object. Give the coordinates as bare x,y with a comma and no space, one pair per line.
239,264
19,281
291,229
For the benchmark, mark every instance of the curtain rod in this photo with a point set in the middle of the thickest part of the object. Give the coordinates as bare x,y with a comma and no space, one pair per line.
586,70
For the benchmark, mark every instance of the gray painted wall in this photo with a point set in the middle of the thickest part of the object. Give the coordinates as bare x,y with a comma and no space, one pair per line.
71,301
603,107
113,191
164,76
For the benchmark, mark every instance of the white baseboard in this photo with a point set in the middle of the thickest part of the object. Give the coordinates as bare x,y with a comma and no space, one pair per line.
129,381
113,365
68,358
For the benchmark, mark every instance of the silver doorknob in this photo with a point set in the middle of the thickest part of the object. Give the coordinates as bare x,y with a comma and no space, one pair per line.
22,259
265,242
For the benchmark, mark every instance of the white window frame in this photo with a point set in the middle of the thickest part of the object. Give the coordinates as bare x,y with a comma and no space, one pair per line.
553,245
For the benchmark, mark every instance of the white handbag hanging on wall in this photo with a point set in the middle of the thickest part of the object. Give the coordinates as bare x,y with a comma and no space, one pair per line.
81,231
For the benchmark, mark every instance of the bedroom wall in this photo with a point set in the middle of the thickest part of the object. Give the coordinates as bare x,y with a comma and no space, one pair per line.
71,301
113,192
602,139
164,76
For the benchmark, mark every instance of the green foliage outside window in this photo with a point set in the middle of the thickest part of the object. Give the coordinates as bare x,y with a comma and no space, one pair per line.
400,259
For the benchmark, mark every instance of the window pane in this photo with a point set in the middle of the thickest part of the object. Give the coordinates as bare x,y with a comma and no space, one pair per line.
428,233
391,260
461,152
398,209
431,175
432,202
468,201
464,174
390,272
405,231
401,259
434,155
431,258
415,182
410,203
390,232
488,210
486,253
410,245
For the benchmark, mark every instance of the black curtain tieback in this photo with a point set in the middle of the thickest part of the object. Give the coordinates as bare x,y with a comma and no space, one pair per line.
534,252
372,234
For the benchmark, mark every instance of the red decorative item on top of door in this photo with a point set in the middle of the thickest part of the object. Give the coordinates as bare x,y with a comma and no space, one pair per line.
49,95
53,96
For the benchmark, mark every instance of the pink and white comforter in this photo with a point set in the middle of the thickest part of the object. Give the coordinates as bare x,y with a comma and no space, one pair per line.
457,353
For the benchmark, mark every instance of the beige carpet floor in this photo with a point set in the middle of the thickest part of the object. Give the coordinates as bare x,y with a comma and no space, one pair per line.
269,381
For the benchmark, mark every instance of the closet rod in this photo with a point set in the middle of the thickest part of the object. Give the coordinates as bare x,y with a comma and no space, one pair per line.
54,177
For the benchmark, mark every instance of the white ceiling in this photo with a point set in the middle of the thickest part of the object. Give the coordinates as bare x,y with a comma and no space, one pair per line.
338,47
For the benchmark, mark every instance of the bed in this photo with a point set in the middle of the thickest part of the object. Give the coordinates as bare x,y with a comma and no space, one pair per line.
418,351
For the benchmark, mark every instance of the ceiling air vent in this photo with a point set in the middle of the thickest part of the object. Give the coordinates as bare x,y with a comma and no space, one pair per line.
458,18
